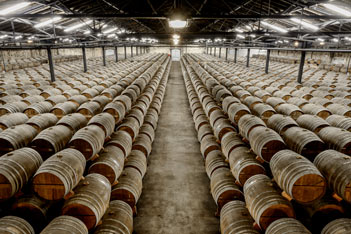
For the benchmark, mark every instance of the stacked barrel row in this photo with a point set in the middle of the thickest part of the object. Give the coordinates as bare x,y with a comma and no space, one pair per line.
248,122
57,172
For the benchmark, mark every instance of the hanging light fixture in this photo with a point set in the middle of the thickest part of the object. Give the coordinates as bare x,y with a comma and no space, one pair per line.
14,8
78,26
50,21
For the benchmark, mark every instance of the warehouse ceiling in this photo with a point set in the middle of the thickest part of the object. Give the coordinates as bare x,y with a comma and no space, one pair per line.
147,21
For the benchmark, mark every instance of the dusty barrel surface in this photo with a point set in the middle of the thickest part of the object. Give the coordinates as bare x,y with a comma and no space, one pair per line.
143,143
109,164
90,200
335,167
74,121
51,140
312,122
42,121
264,201
338,226
16,137
290,110
304,142
214,160
117,219
236,111
280,123
336,138
12,119
62,109
16,168
88,140
247,123
223,187
129,187
208,144
297,176
104,121
131,126
122,140
15,225
287,225
265,142
235,218
243,164
38,108
339,122
137,160
59,174
65,223
230,141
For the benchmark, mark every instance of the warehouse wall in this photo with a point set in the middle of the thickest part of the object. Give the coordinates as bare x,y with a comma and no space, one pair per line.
183,49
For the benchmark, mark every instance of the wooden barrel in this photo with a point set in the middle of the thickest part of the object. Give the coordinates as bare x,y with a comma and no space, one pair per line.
318,110
122,140
131,126
38,108
235,218
117,219
136,114
208,144
129,187
297,176
339,122
65,224
59,174
200,120
33,209
101,99
105,121
339,109
338,226
110,163
290,110
137,160
336,138
264,111
90,200
51,140
265,142
251,101
297,101
56,99
275,101
125,100
16,168
12,119
335,167
90,93
42,121
15,225
62,109
78,99
287,225
280,123
264,201
247,123
147,130
236,111
13,107
243,164
151,118
222,127
89,109
312,122
16,137
203,131
33,99
215,116
229,142
74,121
303,142
228,101
214,160
223,187
88,140
143,143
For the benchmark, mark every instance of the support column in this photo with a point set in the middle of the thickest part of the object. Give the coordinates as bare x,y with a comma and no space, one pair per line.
116,54
131,51
302,64
214,54
210,50
51,64
84,59
248,58
267,60
235,54
103,56
220,52
226,54
125,52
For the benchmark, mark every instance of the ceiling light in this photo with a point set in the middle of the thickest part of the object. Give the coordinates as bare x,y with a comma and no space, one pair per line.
50,21
337,9
335,39
77,26
305,24
240,36
348,38
320,39
111,35
252,35
99,34
18,37
276,28
239,30
177,23
3,36
29,41
248,27
176,36
286,41
109,30
322,43
176,41
296,43
14,8
87,32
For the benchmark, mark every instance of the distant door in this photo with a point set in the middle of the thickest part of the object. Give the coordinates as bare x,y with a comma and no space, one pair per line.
175,53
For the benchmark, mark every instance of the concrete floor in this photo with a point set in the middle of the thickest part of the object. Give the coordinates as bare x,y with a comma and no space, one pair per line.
176,190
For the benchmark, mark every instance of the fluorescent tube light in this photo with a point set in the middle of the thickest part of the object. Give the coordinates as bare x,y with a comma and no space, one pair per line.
14,8
305,24
77,26
276,28
337,9
240,36
239,30
109,30
177,23
50,21
176,36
